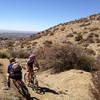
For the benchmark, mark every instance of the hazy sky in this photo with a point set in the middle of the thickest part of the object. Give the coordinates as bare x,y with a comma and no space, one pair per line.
38,15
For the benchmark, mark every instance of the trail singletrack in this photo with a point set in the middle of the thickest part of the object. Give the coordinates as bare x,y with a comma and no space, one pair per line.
68,85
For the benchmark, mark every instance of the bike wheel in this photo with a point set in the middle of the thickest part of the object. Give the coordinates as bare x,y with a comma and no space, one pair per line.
26,93
35,84
18,87
22,90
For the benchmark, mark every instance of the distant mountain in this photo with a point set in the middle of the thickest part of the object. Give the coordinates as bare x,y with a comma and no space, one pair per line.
10,34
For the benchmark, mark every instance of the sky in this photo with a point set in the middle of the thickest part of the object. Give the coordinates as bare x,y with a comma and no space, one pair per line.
38,15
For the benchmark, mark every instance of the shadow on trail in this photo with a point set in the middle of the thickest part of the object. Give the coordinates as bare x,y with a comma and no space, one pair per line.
34,98
43,90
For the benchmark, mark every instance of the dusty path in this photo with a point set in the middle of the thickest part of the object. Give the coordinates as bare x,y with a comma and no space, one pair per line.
7,94
69,85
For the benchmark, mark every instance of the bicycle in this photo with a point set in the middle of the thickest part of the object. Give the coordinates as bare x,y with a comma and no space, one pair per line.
34,84
22,89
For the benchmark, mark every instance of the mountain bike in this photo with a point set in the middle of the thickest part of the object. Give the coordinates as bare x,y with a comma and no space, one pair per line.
22,89
34,84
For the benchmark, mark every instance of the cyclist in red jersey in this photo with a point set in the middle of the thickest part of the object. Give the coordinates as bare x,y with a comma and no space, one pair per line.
30,64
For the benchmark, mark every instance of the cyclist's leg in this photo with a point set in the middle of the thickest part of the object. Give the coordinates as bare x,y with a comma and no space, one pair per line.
8,82
24,89
22,84
29,74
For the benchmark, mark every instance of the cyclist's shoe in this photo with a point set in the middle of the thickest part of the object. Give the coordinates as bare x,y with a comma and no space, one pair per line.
6,88
29,84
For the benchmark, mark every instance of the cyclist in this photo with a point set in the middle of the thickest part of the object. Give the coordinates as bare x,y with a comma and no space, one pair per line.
12,61
14,72
30,64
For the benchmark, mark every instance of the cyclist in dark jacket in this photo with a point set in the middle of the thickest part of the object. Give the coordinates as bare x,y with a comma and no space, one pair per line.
12,61
14,71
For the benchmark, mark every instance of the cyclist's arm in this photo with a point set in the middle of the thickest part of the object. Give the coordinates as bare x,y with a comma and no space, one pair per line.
36,63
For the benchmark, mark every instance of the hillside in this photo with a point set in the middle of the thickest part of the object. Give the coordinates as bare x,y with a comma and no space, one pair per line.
84,32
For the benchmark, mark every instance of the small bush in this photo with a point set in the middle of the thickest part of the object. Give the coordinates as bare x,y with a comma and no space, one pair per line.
19,54
62,29
94,29
70,35
85,24
47,43
4,55
78,38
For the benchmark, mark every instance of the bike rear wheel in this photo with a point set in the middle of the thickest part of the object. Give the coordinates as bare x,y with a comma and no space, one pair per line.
22,90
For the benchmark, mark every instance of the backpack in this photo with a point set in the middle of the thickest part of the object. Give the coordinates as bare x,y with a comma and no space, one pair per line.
16,68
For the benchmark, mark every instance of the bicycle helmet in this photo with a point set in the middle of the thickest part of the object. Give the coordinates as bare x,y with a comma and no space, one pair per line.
32,56
12,60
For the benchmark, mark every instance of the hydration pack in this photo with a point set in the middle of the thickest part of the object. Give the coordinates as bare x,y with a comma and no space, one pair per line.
16,68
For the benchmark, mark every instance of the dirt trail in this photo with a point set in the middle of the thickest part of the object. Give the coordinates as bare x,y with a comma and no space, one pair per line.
68,85
11,94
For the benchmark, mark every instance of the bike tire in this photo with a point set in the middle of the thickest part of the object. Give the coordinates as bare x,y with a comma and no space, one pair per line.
18,88
22,90
35,84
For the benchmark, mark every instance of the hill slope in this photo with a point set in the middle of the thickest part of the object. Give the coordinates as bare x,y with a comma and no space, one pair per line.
84,32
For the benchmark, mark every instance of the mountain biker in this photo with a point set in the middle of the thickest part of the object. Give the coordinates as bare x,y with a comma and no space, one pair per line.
12,61
30,64
14,72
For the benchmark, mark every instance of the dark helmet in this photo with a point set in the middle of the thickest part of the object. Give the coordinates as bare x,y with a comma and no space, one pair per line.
12,60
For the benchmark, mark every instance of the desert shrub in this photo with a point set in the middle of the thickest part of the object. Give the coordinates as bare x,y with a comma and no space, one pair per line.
18,54
55,29
65,57
91,52
97,40
34,43
94,29
1,64
36,36
22,45
47,43
4,55
98,18
70,35
51,33
85,45
78,37
97,35
10,43
62,29
85,24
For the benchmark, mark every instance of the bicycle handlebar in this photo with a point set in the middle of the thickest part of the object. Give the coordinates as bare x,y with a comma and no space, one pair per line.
35,70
